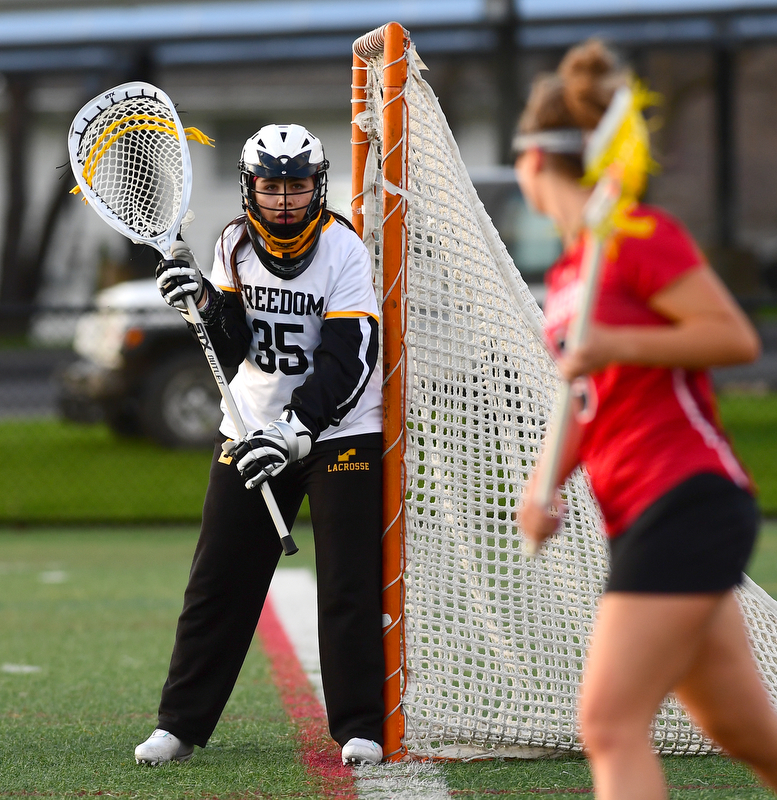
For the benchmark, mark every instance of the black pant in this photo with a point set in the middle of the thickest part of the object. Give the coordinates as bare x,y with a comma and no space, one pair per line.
233,565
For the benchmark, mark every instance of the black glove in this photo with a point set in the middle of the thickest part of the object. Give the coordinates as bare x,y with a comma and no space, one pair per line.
265,453
180,276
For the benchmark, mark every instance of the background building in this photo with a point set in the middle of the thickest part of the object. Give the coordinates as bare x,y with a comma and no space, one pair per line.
233,66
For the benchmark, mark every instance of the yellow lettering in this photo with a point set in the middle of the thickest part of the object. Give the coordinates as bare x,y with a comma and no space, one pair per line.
348,466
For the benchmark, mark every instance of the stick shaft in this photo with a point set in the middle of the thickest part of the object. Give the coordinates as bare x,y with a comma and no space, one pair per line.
548,474
289,548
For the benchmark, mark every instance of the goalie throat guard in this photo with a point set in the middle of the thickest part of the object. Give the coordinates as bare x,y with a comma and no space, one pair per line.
284,152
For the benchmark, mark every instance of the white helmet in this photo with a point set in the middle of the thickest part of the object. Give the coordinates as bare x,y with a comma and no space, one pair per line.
284,151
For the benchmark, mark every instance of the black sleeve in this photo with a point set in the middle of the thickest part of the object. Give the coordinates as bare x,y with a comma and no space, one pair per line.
225,320
342,365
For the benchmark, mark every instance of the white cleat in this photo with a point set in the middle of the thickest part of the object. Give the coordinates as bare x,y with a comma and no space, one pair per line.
162,747
362,751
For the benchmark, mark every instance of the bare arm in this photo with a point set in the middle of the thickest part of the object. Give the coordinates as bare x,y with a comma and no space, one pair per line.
709,330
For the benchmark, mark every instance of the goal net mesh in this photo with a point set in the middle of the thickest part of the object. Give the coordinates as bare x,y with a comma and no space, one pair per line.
494,642
133,161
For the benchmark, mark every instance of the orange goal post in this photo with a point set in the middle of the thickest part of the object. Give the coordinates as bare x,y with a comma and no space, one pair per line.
484,647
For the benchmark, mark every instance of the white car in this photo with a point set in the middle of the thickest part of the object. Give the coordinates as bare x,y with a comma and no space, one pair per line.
140,370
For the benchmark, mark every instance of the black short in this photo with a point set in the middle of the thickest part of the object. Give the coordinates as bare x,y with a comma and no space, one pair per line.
696,538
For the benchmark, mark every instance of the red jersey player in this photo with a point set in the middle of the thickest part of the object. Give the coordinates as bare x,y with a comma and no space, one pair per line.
681,519
630,465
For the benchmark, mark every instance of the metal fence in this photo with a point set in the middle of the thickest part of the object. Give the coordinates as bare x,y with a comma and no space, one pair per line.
120,432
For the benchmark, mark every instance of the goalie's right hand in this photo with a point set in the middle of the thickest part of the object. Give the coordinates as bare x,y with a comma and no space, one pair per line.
180,276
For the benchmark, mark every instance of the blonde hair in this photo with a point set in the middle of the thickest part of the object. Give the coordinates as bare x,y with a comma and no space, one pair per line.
576,95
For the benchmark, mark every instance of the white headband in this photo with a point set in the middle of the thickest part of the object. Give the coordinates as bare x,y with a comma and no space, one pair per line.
558,140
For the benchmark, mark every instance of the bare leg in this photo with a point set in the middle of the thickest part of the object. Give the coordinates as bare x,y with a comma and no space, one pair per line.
643,645
724,693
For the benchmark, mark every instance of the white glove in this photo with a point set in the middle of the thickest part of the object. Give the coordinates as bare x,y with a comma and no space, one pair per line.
179,276
265,453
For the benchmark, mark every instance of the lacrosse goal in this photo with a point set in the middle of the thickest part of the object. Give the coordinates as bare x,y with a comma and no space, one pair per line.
484,647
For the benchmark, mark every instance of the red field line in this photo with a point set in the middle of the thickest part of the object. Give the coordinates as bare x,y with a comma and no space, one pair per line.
319,754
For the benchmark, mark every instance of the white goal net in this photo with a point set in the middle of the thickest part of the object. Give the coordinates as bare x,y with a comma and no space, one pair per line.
493,642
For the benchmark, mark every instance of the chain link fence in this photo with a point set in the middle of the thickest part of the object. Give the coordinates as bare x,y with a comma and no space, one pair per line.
107,415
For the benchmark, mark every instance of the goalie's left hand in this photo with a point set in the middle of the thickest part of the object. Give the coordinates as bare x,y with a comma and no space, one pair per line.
265,453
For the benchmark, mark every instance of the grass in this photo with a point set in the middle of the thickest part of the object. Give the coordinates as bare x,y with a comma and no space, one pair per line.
707,778
63,472
763,566
751,422
94,610
95,613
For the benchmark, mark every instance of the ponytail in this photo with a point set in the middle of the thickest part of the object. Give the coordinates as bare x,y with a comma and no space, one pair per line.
574,97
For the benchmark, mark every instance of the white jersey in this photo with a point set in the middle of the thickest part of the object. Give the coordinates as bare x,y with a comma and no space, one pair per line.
286,316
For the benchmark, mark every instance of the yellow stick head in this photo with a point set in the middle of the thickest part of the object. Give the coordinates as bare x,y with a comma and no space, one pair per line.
621,142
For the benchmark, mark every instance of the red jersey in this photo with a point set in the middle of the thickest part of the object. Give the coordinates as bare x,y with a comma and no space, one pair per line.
645,429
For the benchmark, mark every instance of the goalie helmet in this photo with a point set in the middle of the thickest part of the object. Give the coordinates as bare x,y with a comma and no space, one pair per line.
284,152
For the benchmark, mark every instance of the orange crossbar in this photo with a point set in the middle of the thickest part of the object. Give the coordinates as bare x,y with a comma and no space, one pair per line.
392,40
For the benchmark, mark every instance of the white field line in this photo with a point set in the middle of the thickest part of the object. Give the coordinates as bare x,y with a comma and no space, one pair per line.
20,669
293,594
53,576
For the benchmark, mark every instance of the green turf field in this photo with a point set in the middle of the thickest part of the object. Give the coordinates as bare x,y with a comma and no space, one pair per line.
86,628
93,615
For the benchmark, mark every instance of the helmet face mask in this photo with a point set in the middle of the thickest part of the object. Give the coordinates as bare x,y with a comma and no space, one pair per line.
287,205
281,153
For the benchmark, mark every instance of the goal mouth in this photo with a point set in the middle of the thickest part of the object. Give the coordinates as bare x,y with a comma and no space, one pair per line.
484,647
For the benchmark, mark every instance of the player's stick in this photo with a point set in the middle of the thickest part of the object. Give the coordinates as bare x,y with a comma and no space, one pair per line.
131,161
617,159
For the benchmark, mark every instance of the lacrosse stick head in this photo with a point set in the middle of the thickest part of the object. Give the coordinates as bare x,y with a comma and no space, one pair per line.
130,158
620,143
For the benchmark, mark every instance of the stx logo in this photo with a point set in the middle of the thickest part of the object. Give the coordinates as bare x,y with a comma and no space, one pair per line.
202,335
207,347
344,463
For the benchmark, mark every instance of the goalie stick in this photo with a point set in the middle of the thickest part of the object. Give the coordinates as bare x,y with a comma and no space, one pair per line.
130,158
